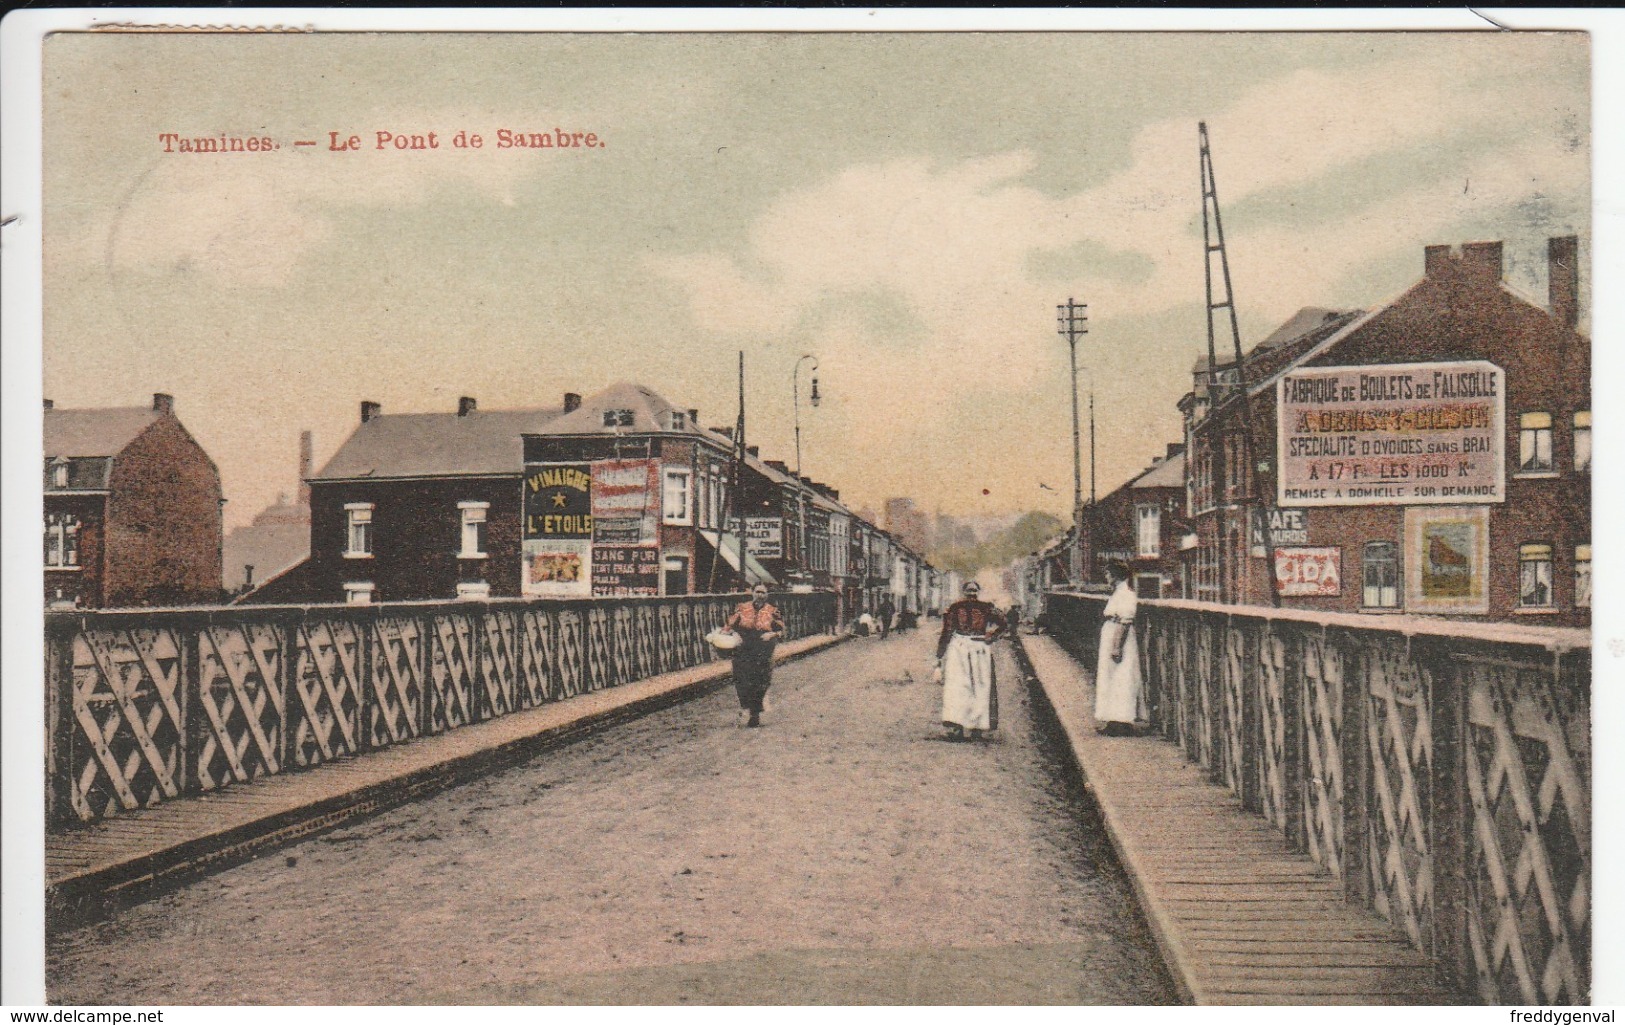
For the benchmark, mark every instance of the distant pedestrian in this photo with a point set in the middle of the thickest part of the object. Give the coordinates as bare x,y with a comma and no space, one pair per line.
884,614
1014,618
1119,689
865,625
759,625
970,699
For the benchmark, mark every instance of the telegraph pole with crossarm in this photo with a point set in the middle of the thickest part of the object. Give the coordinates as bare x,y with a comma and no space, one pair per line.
1073,321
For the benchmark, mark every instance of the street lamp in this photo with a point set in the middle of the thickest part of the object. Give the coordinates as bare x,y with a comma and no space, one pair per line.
801,495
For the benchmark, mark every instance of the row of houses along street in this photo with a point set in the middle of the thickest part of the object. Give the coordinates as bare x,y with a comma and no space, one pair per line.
1429,455
621,493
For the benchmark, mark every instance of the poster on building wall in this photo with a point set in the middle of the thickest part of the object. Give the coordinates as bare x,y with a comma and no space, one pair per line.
625,500
1392,434
1447,559
1309,572
558,568
558,501
1286,527
764,536
621,570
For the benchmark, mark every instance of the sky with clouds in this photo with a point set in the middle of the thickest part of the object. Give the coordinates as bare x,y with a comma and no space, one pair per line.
907,207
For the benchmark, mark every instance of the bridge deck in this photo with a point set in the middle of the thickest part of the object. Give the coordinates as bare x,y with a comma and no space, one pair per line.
1240,917
129,852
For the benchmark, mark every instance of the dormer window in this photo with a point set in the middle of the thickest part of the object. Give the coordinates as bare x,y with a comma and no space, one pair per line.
679,420
617,418
59,474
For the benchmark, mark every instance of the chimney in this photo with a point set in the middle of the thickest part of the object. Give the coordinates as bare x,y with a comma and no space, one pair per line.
369,410
572,402
1175,448
1437,260
1563,279
465,406
778,464
1481,260
49,404
754,451
248,574
305,467
162,403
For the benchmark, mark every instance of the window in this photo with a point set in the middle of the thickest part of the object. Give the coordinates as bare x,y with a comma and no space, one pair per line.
1535,443
359,541
1582,576
1148,585
61,540
1380,567
677,496
59,474
473,536
679,419
617,418
1535,576
1582,441
473,590
358,594
1149,536
676,569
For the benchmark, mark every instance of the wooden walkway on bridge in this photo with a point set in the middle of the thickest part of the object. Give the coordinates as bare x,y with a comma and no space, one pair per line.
126,854
1241,918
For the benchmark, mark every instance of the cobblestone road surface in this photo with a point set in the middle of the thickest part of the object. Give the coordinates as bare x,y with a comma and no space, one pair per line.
841,854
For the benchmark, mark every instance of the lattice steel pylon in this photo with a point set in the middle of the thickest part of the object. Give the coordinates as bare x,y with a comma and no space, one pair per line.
1219,395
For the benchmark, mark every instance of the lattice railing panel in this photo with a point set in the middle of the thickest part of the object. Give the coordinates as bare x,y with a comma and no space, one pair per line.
127,720
1273,690
241,697
600,662
645,642
395,711
1322,704
622,655
1233,683
453,663
685,640
539,637
1399,740
499,662
572,653
1529,849
666,642
326,702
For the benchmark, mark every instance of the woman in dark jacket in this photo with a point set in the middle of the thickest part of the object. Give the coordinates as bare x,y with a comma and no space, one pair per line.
760,625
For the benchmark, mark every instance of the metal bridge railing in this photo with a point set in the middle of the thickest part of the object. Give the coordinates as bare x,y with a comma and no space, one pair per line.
1440,770
146,706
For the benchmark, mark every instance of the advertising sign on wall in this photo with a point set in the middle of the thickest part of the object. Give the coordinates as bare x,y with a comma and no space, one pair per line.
558,502
764,536
625,497
1447,558
620,570
1392,434
1286,527
558,568
1309,572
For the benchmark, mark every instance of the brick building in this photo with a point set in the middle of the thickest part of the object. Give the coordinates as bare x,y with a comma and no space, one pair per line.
1434,457
416,506
1141,524
132,509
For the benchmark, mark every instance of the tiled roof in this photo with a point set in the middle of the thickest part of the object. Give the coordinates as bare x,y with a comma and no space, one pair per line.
437,445
1170,473
81,433
651,414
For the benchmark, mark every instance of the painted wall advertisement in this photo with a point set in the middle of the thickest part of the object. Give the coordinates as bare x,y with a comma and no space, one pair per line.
558,530
764,536
1309,572
1447,558
1392,434
621,570
625,495
561,569
1286,527
558,502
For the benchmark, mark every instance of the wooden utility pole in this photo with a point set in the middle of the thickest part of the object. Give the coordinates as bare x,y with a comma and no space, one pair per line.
730,499
1073,321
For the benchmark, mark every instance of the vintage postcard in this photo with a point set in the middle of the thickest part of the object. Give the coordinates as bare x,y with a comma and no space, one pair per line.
810,517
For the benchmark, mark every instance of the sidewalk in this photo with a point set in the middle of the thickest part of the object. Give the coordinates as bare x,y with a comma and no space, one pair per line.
1240,917
118,858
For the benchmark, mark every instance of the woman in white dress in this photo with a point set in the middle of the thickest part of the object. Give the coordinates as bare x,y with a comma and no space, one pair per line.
1119,688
